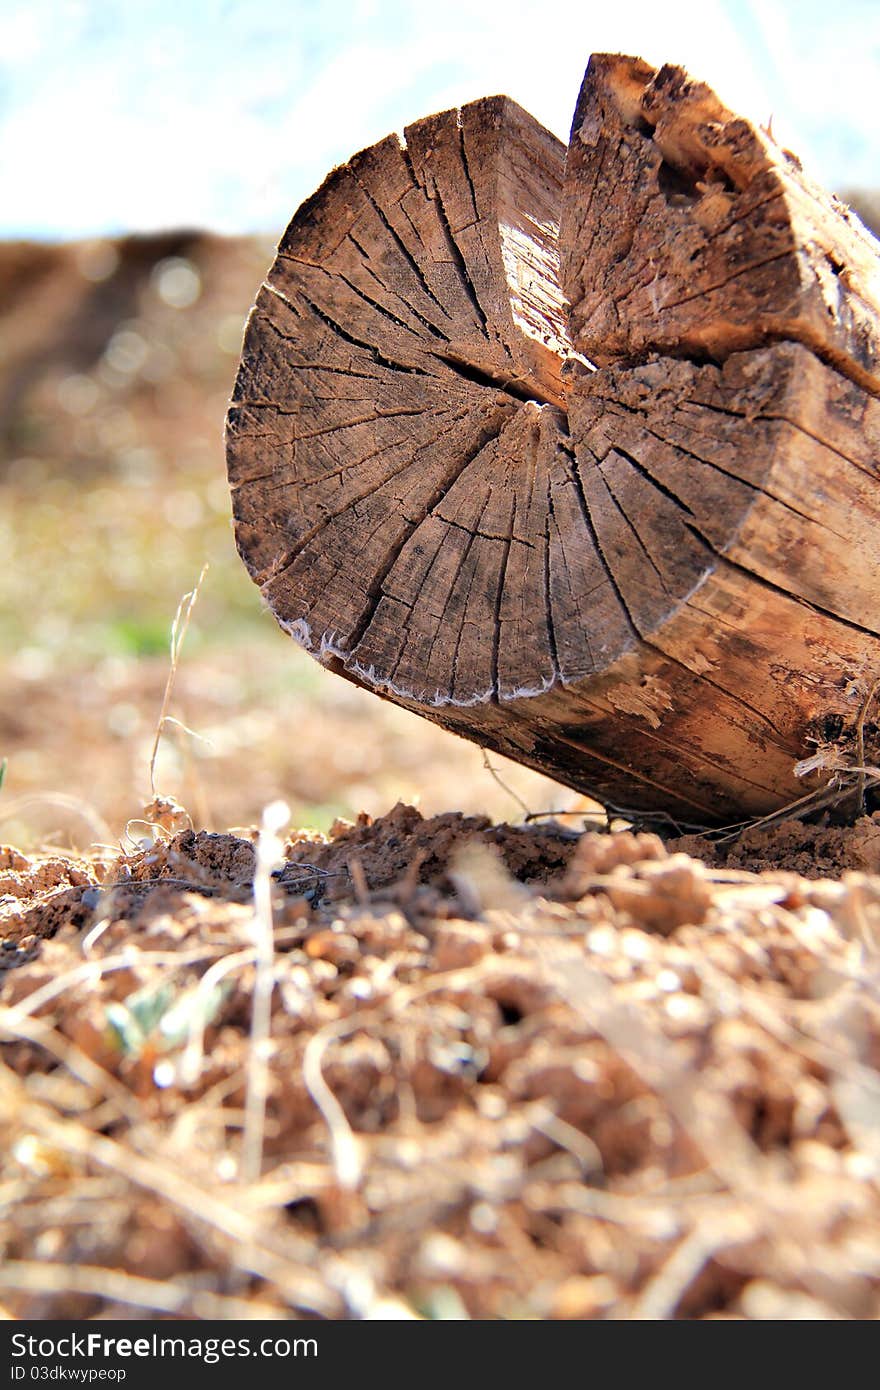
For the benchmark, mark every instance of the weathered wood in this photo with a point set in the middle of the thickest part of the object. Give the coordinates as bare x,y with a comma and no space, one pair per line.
410,322
688,230
655,581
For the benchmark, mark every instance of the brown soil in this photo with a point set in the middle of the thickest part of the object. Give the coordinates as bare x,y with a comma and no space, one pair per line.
513,1072
815,851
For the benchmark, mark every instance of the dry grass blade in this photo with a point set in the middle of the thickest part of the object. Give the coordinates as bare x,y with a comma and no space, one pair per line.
287,1267
178,633
703,1115
114,1285
662,1295
269,850
829,795
193,1054
71,805
92,970
860,743
347,1162
499,780
15,1026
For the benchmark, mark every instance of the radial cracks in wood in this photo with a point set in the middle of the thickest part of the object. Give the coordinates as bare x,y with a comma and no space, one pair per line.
379,358
458,258
597,544
375,592
398,241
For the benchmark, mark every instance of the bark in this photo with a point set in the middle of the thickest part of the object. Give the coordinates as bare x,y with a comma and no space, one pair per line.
655,581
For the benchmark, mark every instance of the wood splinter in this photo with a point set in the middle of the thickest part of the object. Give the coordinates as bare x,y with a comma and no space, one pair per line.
576,454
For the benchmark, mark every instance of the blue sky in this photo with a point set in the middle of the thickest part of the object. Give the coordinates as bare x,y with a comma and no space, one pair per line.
122,115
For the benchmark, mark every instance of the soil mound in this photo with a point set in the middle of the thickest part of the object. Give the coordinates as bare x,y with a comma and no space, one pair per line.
513,1072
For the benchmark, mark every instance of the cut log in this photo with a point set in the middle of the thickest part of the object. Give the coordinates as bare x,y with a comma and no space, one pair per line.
656,581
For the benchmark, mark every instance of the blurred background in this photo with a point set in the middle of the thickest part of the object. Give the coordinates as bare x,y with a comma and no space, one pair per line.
150,156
